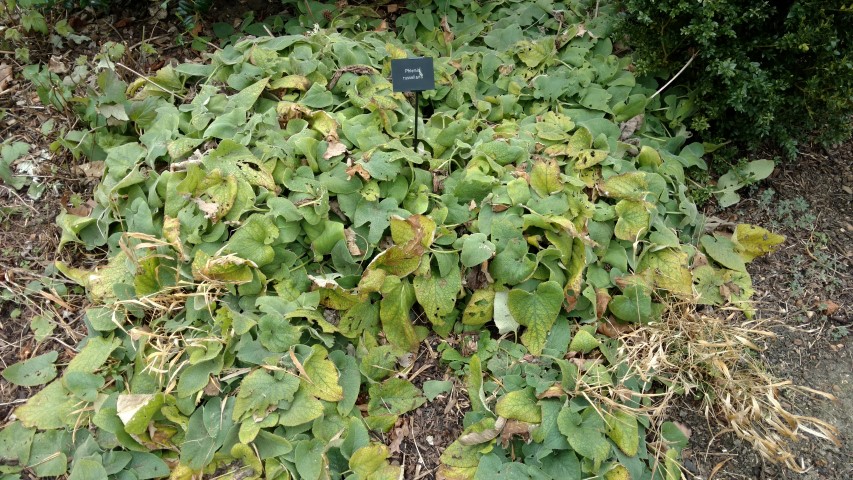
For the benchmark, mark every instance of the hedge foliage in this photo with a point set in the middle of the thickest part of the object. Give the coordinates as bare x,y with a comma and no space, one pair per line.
764,71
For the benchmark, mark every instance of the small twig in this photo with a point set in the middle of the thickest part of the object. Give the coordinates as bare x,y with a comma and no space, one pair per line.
147,79
310,12
138,44
674,77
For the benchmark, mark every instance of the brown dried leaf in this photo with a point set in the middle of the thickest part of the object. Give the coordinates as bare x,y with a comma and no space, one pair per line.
335,148
699,260
829,308
5,75
358,170
602,299
91,169
554,391
81,211
212,388
613,329
353,248
56,66
397,436
438,181
628,128
476,438
448,35
571,300
515,427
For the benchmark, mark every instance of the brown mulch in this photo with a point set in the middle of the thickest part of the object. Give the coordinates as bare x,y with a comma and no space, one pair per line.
420,437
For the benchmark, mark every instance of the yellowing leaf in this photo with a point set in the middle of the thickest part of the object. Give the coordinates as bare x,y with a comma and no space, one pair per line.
631,186
545,178
228,268
537,311
649,157
100,281
633,220
520,405
322,381
394,309
459,461
752,241
368,459
480,307
622,428
259,390
618,473
667,270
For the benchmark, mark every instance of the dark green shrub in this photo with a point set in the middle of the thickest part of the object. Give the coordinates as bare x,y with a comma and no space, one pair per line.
763,71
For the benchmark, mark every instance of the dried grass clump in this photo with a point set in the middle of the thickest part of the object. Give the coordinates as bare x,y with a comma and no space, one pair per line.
714,358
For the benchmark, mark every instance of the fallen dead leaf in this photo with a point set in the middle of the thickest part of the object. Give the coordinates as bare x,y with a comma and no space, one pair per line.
397,436
212,387
445,27
829,308
358,170
5,75
699,260
81,211
56,66
613,329
352,246
335,148
515,427
91,169
476,438
628,128
602,299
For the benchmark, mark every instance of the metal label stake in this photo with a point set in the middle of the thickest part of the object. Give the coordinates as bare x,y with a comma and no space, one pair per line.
413,75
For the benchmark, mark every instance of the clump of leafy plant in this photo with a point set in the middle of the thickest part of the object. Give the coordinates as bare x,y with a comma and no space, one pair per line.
277,248
777,72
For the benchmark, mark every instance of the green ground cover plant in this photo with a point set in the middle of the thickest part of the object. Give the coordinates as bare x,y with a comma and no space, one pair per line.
276,246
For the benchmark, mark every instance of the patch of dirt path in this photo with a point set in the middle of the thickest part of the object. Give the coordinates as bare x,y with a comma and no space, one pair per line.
807,289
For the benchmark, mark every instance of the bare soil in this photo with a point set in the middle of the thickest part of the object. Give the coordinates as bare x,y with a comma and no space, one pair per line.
806,291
